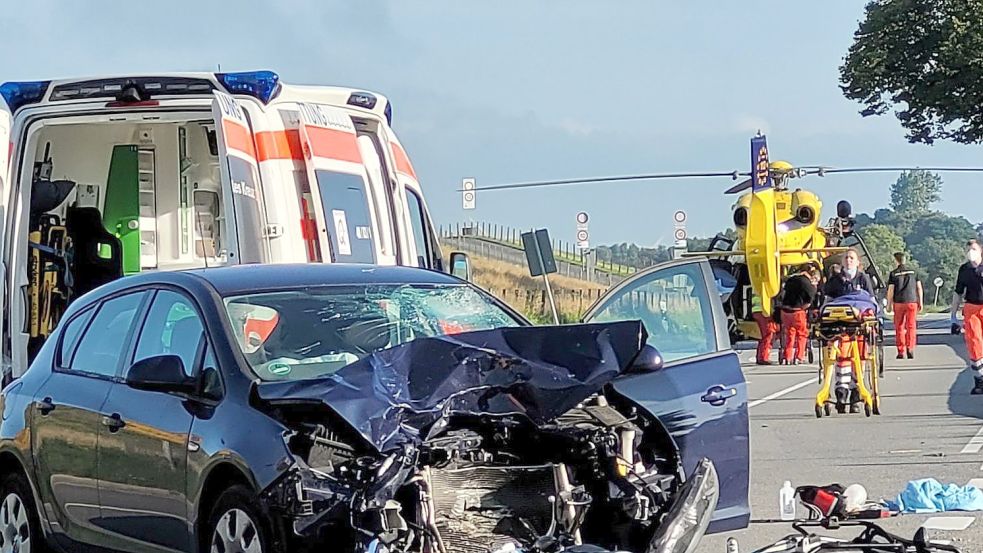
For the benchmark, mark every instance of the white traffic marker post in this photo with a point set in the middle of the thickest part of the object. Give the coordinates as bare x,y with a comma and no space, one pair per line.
938,282
583,237
468,196
679,234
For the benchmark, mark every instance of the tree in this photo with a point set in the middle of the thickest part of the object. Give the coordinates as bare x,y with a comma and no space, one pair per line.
940,226
939,258
915,191
882,242
921,58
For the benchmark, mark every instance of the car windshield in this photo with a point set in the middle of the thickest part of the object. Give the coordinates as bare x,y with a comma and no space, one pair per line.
312,332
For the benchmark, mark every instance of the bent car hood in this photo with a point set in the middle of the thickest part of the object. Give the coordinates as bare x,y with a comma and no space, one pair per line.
398,395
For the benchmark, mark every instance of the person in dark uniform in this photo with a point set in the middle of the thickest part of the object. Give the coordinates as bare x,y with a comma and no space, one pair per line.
904,297
969,287
800,291
850,278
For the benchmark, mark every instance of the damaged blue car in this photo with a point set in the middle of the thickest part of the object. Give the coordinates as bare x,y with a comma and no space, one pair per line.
265,409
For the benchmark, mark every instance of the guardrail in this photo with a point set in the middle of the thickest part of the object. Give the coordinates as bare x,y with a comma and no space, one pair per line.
505,244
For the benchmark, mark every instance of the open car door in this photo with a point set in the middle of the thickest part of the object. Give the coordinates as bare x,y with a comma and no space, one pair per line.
699,394
6,123
245,231
338,184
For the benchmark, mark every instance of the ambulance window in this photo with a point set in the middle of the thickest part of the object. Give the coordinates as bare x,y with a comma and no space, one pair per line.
417,219
346,214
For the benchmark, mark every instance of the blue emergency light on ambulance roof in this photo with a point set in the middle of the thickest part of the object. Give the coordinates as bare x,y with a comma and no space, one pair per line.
262,85
389,113
19,94
362,100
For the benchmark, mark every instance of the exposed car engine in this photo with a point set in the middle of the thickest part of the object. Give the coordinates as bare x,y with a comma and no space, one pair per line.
489,484
488,442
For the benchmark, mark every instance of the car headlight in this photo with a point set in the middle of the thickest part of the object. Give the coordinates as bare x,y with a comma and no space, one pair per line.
690,515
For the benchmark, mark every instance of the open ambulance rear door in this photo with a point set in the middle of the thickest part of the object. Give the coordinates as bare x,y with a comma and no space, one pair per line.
339,185
245,230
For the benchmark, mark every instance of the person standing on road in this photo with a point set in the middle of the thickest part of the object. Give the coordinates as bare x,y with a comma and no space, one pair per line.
800,291
767,327
969,287
850,278
906,298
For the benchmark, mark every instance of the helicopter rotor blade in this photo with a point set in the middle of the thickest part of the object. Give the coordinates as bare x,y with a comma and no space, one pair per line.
819,170
831,170
740,187
620,178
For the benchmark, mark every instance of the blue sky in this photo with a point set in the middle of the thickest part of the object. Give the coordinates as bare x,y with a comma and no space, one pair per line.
511,91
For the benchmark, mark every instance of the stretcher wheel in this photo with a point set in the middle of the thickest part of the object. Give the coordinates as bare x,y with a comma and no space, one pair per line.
867,409
877,405
819,412
827,409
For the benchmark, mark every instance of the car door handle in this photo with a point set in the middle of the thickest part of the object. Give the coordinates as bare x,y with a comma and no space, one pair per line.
113,422
46,406
718,395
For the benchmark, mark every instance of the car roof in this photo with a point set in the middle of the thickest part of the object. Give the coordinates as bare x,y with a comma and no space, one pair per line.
239,279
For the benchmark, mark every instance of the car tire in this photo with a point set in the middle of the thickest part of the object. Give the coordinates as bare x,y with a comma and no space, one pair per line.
237,524
20,527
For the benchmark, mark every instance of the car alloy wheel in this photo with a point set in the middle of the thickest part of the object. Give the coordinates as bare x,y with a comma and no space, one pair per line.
15,536
235,533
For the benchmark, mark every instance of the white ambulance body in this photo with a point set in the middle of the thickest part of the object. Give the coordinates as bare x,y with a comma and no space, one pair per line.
116,175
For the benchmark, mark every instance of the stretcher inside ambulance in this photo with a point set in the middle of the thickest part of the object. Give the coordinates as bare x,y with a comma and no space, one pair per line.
113,176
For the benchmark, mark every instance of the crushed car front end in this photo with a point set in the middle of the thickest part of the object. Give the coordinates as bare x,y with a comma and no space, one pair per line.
492,441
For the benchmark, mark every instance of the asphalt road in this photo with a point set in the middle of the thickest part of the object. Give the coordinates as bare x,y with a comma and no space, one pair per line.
931,428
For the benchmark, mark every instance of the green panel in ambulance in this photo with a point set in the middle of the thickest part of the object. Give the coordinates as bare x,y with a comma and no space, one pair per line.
121,215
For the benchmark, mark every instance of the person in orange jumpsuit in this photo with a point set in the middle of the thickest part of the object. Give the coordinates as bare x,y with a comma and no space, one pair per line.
905,297
969,288
767,327
800,292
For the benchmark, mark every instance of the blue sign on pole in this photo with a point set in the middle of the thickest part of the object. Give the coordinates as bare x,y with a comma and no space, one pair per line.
760,175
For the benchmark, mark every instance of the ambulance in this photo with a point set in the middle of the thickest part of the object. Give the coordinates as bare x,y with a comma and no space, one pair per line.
111,176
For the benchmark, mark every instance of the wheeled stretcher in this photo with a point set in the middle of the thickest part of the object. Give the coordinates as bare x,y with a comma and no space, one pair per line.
851,355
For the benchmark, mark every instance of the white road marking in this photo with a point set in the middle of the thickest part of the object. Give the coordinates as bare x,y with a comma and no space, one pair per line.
952,524
787,391
975,443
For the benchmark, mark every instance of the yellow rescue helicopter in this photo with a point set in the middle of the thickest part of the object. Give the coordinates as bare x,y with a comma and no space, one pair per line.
779,230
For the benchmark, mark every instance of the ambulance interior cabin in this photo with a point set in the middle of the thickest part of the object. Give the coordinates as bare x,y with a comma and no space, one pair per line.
114,198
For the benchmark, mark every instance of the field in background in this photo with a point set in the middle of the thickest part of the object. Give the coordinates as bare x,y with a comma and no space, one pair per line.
527,295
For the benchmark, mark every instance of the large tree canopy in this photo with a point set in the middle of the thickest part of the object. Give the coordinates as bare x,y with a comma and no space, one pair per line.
915,191
924,59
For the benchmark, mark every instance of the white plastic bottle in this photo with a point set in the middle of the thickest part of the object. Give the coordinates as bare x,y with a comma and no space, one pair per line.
786,501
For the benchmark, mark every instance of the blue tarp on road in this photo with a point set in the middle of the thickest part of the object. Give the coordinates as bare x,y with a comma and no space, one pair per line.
931,496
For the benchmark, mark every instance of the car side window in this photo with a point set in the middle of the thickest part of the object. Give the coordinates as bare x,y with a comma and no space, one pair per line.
70,337
675,306
415,207
101,347
172,327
